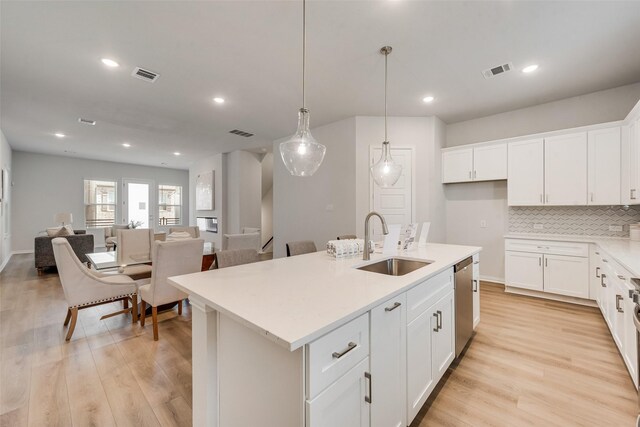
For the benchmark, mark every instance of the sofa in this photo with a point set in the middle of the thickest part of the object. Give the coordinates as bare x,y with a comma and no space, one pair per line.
81,243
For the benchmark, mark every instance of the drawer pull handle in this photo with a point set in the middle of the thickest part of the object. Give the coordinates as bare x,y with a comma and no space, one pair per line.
621,277
597,253
367,399
604,260
439,319
436,329
393,307
475,285
618,299
602,277
350,347
598,272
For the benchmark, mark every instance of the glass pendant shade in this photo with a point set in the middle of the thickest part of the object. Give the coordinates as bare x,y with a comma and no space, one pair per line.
301,154
386,171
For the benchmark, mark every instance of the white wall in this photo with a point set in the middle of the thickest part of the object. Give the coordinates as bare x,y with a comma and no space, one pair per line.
267,218
216,163
322,206
5,207
244,190
45,185
597,107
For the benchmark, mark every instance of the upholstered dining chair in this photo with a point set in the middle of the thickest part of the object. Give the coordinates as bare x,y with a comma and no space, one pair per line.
110,235
194,231
83,289
229,258
347,237
134,247
171,258
242,241
301,247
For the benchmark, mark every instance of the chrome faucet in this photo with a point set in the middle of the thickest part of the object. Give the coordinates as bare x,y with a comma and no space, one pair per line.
368,249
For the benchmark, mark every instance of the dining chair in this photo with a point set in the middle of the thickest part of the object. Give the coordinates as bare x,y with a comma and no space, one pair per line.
242,241
134,251
229,258
171,258
301,247
83,289
193,231
347,237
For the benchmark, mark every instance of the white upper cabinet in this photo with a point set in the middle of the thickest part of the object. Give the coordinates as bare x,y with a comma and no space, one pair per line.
457,165
565,169
490,162
526,173
630,159
478,163
604,167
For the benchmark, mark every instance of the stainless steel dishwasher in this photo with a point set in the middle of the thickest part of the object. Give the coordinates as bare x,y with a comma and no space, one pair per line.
463,283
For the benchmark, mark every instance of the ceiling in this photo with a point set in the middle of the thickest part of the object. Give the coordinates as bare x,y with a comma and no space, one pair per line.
250,54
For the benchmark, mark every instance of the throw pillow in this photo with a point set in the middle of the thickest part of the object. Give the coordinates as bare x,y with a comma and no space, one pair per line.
64,231
53,231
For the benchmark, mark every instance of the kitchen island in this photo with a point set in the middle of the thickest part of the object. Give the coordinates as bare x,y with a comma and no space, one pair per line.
299,341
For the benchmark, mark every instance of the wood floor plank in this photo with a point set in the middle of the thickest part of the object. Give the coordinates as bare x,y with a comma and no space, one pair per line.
48,400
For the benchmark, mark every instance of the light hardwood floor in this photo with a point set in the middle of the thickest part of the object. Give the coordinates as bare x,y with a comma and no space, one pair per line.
531,362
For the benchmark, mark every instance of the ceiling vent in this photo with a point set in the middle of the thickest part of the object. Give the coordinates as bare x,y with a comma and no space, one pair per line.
146,75
500,69
87,121
241,133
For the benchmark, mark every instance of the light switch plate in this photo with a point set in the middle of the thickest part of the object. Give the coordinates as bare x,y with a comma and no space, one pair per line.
538,226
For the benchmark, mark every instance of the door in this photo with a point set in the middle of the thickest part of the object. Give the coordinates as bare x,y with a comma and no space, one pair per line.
525,166
604,167
457,165
343,403
566,275
395,204
419,366
565,170
523,270
490,162
138,202
388,363
443,336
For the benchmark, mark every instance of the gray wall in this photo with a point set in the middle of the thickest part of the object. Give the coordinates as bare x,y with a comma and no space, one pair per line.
322,206
597,107
244,190
5,207
45,185
217,164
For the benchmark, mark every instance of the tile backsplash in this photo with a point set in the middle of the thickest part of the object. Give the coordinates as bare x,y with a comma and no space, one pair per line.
577,220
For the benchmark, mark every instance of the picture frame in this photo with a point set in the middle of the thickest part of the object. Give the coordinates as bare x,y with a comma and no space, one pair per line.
205,191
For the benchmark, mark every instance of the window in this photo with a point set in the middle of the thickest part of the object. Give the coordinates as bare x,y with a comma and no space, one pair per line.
169,204
99,203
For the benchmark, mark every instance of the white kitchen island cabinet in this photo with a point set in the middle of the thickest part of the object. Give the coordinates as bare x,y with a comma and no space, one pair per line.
313,341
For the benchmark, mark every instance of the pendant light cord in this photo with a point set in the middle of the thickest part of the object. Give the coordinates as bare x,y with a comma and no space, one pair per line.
386,55
304,47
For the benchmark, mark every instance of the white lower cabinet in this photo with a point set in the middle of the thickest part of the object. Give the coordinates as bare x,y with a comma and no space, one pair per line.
419,361
523,270
444,336
389,363
566,275
344,402
630,353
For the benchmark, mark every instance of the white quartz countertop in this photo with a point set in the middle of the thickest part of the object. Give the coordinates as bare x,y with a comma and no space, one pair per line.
625,251
295,300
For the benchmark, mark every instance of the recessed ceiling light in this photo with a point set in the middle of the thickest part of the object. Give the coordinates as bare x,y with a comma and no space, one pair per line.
176,153
59,135
530,68
126,145
428,99
110,62
218,100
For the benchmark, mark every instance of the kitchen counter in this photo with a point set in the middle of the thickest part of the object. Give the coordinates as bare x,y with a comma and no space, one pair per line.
625,251
292,301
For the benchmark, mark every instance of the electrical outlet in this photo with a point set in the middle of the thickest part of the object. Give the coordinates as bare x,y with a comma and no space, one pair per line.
615,228
538,226
483,223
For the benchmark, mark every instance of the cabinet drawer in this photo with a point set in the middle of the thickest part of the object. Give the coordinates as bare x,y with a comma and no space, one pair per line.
547,247
421,297
330,357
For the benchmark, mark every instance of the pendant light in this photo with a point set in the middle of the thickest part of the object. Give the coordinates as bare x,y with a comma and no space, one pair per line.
301,154
386,172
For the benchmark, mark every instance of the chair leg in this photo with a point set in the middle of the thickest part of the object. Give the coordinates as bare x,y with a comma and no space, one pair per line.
143,311
134,308
180,307
154,314
74,318
66,320
125,303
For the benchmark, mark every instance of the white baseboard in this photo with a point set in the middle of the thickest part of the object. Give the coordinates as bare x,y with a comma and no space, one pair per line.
492,279
550,296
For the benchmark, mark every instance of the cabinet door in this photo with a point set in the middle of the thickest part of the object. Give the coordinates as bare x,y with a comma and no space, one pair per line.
490,162
342,403
630,339
617,326
565,169
523,270
443,336
457,165
630,147
525,185
604,167
388,363
595,270
419,374
566,275
476,290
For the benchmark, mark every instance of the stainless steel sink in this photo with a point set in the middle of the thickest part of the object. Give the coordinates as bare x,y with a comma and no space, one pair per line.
394,266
